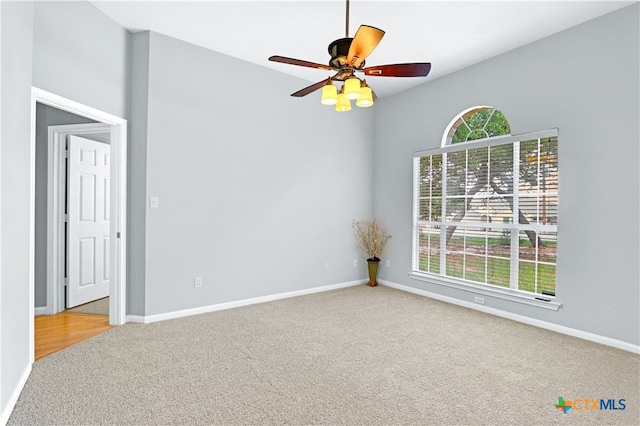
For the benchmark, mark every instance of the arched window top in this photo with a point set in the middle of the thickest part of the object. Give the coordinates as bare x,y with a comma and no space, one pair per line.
478,122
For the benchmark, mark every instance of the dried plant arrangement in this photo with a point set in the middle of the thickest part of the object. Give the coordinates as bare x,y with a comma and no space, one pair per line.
371,238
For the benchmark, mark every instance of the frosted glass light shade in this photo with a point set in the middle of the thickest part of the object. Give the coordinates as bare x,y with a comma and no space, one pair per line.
352,88
329,94
343,104
366,98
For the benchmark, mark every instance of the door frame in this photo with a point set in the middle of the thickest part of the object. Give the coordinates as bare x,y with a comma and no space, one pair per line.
56,189
118,231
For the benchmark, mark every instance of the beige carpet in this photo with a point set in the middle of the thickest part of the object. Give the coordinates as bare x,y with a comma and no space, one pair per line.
356,356
97,307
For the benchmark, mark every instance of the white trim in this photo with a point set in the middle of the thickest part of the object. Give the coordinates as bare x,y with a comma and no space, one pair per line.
539,301
55,222
496,140
445,136
11,403
596,338
496,225
238,303
117,308
32,233
415,234
56,185
41,310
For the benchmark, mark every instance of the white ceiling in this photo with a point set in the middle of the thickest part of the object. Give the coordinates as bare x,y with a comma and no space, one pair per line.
450,34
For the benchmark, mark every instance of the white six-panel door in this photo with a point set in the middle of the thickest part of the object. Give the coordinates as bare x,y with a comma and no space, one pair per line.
88,221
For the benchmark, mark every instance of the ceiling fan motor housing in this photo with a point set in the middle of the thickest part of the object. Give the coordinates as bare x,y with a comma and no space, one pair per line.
339,51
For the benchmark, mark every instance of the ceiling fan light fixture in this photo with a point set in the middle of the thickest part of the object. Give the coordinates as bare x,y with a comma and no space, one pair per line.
348,56
352,88
329,94
366,98
343,104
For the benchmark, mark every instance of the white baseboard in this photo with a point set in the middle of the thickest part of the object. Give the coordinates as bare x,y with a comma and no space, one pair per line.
41,310
139,319
146,319
520,318
11,403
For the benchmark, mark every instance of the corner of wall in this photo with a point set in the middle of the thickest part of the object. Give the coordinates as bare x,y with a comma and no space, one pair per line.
138,89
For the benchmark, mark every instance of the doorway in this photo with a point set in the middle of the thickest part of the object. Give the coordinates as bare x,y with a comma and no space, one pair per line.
117,128
75,273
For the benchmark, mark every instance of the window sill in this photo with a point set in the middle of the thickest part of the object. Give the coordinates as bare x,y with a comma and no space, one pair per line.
545,302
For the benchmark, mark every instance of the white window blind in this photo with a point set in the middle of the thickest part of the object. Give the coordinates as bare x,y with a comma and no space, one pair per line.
486,212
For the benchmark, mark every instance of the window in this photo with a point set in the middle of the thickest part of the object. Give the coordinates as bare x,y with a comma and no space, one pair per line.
485,211
477,123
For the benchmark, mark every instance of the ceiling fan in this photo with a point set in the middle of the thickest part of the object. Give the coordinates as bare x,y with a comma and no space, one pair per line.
348,58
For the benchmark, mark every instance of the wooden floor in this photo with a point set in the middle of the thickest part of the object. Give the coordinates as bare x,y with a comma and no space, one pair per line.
56,332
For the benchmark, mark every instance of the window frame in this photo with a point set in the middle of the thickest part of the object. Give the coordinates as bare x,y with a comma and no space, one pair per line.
506,293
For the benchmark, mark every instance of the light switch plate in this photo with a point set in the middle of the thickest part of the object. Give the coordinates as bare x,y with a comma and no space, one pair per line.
154,203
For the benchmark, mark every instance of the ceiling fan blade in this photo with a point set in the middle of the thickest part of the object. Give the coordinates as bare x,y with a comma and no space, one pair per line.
365,40
310,89
299,62
400,70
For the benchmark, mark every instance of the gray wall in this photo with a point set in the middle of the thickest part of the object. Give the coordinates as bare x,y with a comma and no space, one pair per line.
15,150
45,116
73,50
137,172
81,54
584,81
256,190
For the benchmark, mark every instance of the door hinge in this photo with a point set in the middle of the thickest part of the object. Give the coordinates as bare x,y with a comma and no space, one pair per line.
118,234
66,282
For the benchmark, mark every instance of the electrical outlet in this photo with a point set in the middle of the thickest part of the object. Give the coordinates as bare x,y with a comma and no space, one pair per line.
479,300
326,266
388,263
355,263
197,282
